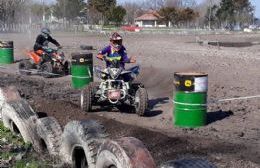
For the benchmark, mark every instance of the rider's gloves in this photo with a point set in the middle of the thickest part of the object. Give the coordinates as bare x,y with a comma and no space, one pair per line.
45,48
132,60
59,47
100,56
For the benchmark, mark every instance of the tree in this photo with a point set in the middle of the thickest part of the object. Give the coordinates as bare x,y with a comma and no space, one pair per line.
178,16
133,10
187,15
69,9
13,11
233,12
153,4
169,14
210,16
38,10
102,6
117,15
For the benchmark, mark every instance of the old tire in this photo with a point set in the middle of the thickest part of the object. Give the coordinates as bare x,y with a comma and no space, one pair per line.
80,142
47,70
25,66
50,132
187,163
141,101
2,101
20,118
8,94
127,152
86,47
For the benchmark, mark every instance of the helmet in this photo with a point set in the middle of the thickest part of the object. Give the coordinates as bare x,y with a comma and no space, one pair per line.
115,37
116,40
46,31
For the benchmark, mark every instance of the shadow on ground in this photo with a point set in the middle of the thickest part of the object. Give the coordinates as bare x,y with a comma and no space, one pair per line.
217,116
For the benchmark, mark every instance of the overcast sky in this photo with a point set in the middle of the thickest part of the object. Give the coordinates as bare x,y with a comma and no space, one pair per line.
255,3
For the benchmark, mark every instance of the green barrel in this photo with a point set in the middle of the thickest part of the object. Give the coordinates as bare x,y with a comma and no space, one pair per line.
190,101
6,52
81,69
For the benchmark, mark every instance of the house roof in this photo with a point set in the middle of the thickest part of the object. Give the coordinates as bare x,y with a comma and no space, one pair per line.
150,15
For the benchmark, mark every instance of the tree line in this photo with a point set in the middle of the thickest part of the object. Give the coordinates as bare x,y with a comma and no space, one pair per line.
178,13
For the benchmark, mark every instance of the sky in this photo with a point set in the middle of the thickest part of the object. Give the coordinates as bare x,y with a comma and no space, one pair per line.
255,3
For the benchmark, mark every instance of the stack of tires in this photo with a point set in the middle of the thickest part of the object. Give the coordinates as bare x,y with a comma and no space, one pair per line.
82,144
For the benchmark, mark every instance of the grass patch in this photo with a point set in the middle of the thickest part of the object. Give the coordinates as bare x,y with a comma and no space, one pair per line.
15,153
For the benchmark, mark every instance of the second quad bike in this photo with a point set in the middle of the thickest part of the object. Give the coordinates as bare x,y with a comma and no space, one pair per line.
48,63
117,89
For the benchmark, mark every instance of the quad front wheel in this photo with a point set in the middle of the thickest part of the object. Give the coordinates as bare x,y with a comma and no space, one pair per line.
141,101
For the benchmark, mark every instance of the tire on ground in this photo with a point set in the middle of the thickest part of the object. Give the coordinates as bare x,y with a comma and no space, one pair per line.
50,132
187,163
86,47
127,152
19,117
8,94
80,142
2,101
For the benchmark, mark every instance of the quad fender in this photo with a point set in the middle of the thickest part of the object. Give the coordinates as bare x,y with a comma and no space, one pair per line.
34,56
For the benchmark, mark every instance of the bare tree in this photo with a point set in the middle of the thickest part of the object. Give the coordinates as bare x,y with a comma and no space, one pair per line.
133,10
13,11
153,4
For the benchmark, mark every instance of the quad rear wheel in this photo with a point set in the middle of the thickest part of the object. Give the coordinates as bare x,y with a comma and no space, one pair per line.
24,67
47,70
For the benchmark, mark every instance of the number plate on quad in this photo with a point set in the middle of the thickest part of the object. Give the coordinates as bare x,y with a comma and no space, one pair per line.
114,94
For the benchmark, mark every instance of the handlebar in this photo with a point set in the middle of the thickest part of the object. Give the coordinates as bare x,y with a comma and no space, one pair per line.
48,49
105,58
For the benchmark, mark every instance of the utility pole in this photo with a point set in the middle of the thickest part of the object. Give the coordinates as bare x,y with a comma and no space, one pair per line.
43,12
210,13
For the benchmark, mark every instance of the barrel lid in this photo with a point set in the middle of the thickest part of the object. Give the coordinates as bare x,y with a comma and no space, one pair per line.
194,74
77,55
6,44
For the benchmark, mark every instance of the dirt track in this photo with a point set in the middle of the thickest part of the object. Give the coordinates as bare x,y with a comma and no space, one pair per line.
232,137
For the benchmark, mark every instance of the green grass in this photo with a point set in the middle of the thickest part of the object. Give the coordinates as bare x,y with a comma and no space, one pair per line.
22,164
11,144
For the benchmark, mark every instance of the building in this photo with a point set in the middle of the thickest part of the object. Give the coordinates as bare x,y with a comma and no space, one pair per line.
149,19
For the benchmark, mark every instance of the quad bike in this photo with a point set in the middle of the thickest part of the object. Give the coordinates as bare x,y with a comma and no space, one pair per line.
51,62
117,89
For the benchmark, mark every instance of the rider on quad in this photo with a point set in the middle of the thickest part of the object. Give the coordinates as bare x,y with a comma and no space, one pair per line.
118,86
115,50
41,43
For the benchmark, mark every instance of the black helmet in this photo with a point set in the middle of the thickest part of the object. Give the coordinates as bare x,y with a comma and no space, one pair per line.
46,31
